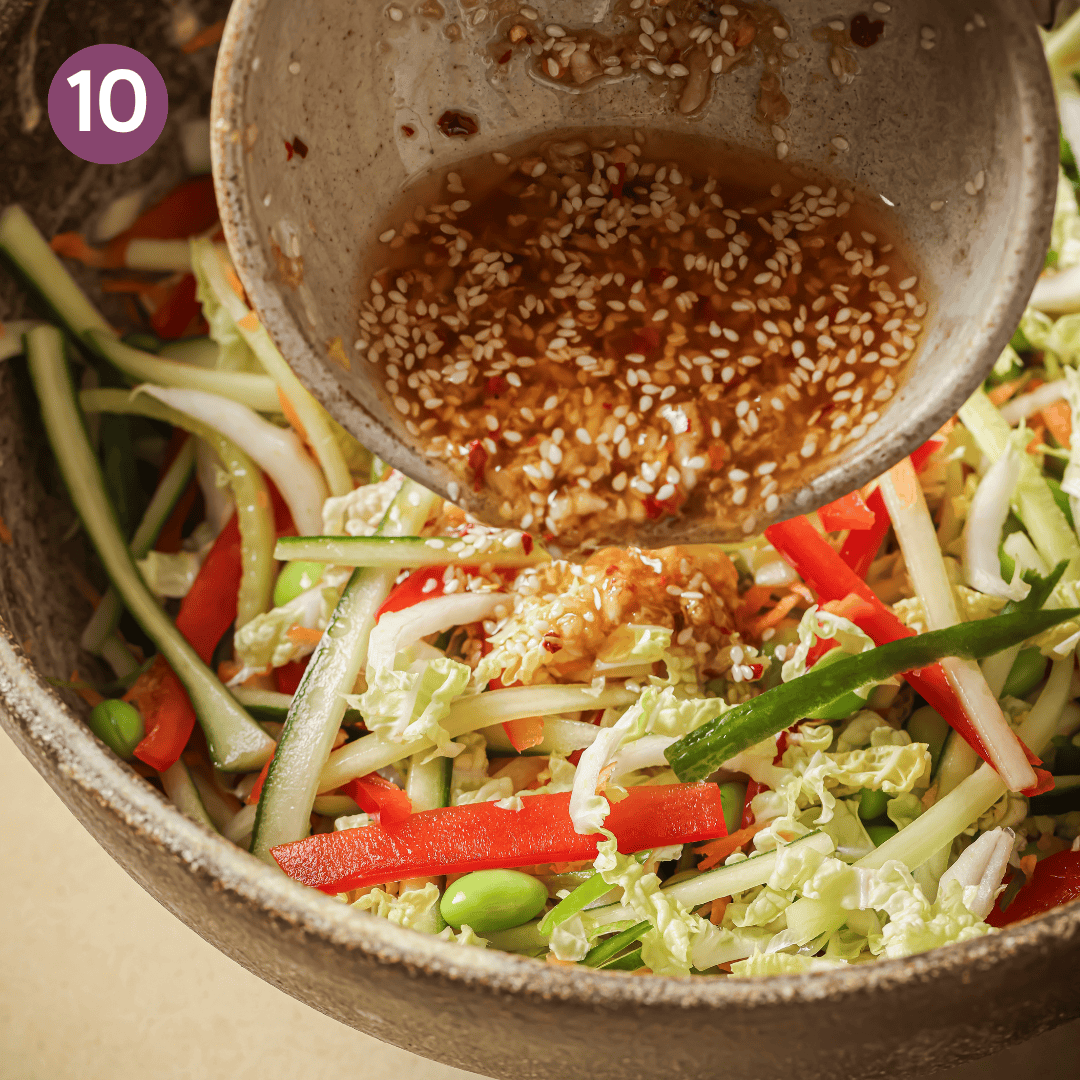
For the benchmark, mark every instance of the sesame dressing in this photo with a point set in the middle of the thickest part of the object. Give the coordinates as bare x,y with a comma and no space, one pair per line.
605,333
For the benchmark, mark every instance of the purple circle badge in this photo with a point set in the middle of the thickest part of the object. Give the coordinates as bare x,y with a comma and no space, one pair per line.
108,104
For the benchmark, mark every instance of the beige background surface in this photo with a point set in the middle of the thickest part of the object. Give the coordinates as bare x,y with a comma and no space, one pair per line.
98,982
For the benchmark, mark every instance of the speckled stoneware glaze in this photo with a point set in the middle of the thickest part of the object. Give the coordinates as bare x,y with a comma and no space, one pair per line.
920,124
500,1015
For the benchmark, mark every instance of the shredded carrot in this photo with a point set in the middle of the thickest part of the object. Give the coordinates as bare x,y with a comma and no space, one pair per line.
1027,865
1000,394
716,851
5,534
87,693
1058,419
801,591
1038,436
303,635
758,626
249,322
209,35
85,587
72,245
716,912
292,416
234,283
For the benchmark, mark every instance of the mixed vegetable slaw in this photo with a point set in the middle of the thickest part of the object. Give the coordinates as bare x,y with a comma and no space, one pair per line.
852,737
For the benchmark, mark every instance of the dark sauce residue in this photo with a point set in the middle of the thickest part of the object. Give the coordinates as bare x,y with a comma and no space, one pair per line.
865,33
455,124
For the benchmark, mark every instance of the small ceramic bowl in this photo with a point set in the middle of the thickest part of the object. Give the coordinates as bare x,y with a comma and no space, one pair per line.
497,1014
948,117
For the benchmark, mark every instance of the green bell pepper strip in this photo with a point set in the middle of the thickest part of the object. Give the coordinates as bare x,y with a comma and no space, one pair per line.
253,508
606,952
697,755
236,742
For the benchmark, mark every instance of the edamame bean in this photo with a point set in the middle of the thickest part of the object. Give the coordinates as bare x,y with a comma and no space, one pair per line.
490,900
927,726
872,803
118,724
1026,673
295,578
732,799
844,706
880,833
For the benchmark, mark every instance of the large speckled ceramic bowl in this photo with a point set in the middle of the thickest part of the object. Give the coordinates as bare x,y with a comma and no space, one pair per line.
949,119
497,1014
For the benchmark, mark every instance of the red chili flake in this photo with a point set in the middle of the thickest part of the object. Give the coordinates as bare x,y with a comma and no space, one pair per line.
457,124
717,456
526,543
865,33
612,569
506,56
757,669
300,146
496,385
644,340
653,509
408,130
551,646
288,151
478,458
606,405
617,189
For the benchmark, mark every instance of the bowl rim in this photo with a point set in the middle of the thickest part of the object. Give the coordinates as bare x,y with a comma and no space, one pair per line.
36,716
48,722
853,467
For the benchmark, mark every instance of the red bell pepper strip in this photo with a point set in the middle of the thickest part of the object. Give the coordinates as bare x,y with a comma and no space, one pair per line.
167,713
524,733
861,546
848,512
209,608
283,522
385,802
288,676
1056,881
832,579
174,315
481,836
421,584
752,788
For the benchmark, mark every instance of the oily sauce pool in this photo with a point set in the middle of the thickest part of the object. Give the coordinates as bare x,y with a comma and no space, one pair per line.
611,327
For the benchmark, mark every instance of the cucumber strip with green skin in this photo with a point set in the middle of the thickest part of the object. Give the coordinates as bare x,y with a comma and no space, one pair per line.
406,551
11,336
258,392
270,705
236,742
373,752
560,737
184,795
697,755
319,702
254,516
24,245
107,614
428,782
